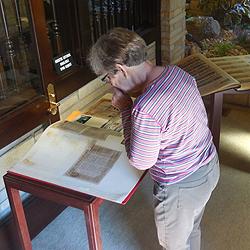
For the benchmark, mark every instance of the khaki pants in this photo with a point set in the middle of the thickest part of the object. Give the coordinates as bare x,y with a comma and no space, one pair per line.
179,207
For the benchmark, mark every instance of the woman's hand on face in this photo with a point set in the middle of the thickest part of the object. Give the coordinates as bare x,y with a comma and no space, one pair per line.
121,100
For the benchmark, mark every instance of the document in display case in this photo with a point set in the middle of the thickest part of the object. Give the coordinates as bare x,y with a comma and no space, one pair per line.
80,156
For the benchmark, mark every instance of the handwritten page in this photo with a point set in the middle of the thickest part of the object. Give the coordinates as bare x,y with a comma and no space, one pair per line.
94,164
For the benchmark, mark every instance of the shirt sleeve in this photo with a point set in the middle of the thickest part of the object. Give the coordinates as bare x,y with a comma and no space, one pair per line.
142,138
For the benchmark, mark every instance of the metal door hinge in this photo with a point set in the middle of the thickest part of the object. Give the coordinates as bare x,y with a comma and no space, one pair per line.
53,105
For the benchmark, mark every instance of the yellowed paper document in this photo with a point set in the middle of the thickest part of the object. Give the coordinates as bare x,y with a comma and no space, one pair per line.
94,164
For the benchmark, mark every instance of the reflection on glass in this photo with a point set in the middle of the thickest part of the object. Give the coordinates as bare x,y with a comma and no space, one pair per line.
62,18
19,75
73,25
53,27
132,14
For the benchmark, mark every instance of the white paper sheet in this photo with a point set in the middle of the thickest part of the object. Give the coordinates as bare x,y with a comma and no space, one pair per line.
57,150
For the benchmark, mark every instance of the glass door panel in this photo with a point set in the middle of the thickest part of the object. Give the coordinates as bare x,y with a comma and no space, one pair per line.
20,79
137,15
62,19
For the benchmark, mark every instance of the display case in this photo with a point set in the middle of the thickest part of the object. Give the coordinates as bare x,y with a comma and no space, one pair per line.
44,45
43,49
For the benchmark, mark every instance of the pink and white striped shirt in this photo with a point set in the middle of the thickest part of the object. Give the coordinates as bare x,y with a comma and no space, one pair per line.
166,130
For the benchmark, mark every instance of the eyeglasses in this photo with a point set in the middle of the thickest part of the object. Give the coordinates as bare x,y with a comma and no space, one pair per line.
106,78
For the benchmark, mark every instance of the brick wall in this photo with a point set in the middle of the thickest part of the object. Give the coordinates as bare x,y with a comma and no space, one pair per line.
173,30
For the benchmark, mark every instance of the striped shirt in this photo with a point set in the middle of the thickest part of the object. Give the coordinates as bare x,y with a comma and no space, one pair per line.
166,130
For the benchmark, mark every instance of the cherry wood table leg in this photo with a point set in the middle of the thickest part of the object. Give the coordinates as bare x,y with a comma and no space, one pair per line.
19,217
91,213
215,118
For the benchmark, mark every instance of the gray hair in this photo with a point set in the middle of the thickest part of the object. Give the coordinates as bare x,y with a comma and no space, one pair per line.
118,46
